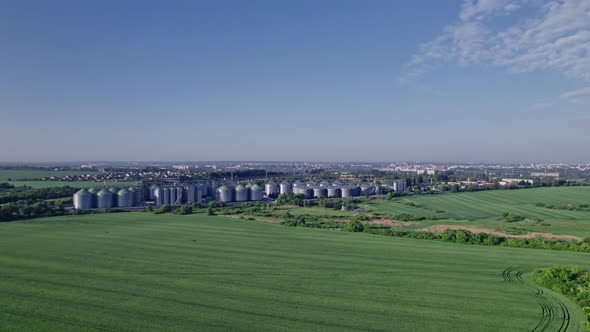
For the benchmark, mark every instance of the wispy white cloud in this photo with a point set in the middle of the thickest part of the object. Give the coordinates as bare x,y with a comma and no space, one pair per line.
540,106
578,95
554,36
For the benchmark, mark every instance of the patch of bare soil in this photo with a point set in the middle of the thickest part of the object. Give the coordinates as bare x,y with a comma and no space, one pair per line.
393,223
530,235
270,221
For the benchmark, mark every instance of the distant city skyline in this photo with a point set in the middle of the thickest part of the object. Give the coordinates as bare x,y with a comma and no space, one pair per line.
455,81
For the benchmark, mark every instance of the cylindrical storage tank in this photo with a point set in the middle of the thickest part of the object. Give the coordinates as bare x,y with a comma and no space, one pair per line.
203,189
225,194
166,196
284,188
152,193
355,191
140,194
104,199
159,196
333,192
83,200
124,198
190,193
308,193
271,188
256,193
296,185
324,184
241,193
310,184
345,192
179,195
365,190
319,192
94,191
173,193
114,191
134,193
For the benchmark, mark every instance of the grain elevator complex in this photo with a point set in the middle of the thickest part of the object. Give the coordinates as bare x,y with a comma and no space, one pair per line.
178,193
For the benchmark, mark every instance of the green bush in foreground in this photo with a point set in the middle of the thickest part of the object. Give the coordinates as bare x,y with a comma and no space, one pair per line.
355,226
571,282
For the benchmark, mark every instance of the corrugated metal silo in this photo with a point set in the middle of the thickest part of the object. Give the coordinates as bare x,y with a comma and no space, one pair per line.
225,194
124,198
159,196
333,192
284,188
173,193
241,193
345,191
104,199
166,196
134,193
256,193
152,192
271,188
82,200
179,195
308,192
319,192
114,191
191,193
94,191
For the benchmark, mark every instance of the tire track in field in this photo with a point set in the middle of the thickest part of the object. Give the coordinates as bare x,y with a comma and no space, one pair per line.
555,315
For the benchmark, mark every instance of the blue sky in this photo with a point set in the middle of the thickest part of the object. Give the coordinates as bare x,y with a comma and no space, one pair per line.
474,80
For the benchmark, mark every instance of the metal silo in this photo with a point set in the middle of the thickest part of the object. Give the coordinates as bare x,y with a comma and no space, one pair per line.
355,191
125,198
324,184
159,196
114,191
152,192
333,192
134,193
365,189
241,193
284,188
104,199
225,194
308,192
255,193
203,189
345,191
94,191
140,194
271,188
173,193
296,186
179,195
191,193
166,196
82,200
319,192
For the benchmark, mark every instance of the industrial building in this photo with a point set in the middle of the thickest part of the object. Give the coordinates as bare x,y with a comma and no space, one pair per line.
178,193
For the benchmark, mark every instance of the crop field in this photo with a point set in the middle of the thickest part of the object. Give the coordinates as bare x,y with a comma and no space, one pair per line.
485,209
15,174
140,271
74,184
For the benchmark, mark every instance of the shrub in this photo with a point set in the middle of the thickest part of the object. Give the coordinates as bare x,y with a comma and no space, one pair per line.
355,226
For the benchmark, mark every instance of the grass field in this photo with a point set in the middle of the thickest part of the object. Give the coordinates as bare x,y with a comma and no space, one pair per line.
15,174
485,209
139,271
75,184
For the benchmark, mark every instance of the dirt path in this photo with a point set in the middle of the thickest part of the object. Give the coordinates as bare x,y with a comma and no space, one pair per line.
531,235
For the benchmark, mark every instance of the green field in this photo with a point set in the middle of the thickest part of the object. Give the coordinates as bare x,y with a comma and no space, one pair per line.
15,174
139,271
74,184
485,209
